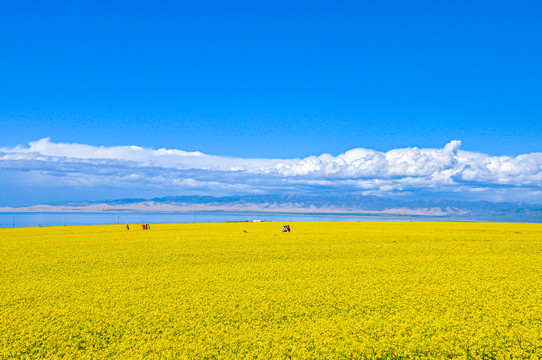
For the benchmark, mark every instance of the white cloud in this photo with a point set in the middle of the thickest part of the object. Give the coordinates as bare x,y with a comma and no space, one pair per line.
170,158
415,170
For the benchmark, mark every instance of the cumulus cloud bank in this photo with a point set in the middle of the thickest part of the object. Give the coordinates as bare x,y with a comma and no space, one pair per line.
449,170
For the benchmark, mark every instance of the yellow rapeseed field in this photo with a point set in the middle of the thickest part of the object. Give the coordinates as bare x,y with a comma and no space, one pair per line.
341,290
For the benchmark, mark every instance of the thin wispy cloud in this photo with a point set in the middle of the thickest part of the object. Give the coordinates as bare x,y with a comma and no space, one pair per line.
413,171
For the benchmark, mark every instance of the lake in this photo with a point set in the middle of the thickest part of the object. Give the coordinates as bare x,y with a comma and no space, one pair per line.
59,219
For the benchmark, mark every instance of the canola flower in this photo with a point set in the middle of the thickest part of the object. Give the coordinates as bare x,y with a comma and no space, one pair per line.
340,290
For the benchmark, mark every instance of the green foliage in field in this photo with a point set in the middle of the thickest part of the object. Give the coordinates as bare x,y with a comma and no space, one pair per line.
324,291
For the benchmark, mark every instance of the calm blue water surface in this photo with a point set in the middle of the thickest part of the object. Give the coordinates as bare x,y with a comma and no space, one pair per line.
59,219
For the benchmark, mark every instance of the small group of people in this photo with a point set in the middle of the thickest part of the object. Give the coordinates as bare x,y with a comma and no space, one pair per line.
286,228
144,226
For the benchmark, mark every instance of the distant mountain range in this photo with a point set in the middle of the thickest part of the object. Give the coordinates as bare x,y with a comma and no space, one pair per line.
310,204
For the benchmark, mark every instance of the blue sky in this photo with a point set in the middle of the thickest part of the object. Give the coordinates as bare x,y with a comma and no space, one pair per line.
266,80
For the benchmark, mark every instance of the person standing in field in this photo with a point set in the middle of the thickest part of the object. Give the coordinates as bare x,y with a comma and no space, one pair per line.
127,227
